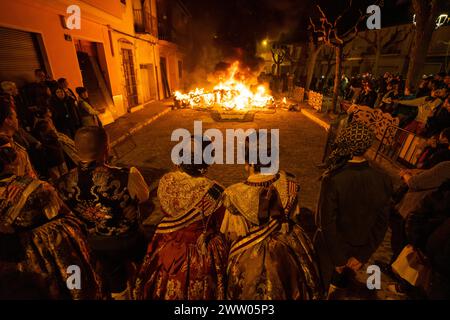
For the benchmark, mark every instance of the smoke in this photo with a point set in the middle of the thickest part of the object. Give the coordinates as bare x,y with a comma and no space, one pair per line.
228,31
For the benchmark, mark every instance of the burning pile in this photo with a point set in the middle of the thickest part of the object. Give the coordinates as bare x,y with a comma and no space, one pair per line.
229,94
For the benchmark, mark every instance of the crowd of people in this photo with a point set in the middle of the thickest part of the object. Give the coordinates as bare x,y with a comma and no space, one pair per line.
49,113
415,218
247,241
423,110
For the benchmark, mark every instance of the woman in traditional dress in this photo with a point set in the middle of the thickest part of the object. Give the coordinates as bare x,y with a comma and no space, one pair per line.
41,243
187,257
271,257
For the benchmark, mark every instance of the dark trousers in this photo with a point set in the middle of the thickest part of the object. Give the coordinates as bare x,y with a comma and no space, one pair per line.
115,255
398,236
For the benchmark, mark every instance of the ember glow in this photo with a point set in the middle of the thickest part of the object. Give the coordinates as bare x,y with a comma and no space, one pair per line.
229,94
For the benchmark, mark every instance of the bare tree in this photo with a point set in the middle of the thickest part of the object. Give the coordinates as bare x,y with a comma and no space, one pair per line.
328,56
279,53
330,33
426,12
314,48
381,41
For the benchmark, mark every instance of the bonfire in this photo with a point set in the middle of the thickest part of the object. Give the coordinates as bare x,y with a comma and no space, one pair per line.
231,93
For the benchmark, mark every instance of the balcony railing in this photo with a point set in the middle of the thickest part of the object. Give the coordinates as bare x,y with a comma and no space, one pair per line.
144,22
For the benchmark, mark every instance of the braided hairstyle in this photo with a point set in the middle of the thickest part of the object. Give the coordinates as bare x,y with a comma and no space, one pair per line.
195,169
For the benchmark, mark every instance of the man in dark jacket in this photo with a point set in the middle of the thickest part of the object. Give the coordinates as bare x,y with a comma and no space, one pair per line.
353,207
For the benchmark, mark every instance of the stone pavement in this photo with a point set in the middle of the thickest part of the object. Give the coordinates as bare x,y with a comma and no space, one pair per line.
132,122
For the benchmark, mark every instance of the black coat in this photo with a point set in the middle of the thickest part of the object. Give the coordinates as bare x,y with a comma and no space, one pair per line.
428,228
65,116
352,215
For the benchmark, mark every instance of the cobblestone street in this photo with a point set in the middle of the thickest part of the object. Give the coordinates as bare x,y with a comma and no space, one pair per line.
301,146
301,149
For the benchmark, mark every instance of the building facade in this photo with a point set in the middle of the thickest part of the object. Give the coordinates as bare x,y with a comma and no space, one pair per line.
116,53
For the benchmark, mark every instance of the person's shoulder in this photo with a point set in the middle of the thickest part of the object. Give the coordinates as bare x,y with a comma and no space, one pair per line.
234,188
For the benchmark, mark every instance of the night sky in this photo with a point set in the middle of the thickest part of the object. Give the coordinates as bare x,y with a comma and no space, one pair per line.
235,26
238,21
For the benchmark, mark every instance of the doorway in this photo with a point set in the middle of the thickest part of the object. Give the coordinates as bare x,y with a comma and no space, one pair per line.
92,74
130,78
148,82
164,79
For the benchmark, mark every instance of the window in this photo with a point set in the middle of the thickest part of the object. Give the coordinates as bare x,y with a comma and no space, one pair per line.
180,69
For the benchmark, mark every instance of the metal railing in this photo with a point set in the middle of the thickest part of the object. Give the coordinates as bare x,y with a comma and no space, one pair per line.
400,147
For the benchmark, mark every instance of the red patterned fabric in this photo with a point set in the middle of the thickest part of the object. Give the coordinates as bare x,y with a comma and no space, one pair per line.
176,266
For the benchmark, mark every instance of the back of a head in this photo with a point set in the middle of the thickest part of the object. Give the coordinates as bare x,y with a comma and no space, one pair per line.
80,90
258,144
91,143
198,144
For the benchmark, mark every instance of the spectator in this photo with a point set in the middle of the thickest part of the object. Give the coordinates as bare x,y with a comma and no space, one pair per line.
387,102
431,147
65,114
428,230
88,115
39,236
23,114
258,222
439,119
53,164
409,93
419,184
425,107
368,95
442,152
350,228
107,200
423,89
35,90
174,254
9,125
64,84
22,136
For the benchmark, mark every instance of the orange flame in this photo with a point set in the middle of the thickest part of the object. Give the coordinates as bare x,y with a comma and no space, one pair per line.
228,94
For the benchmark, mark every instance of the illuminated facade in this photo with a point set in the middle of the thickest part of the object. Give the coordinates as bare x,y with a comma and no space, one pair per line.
117,53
